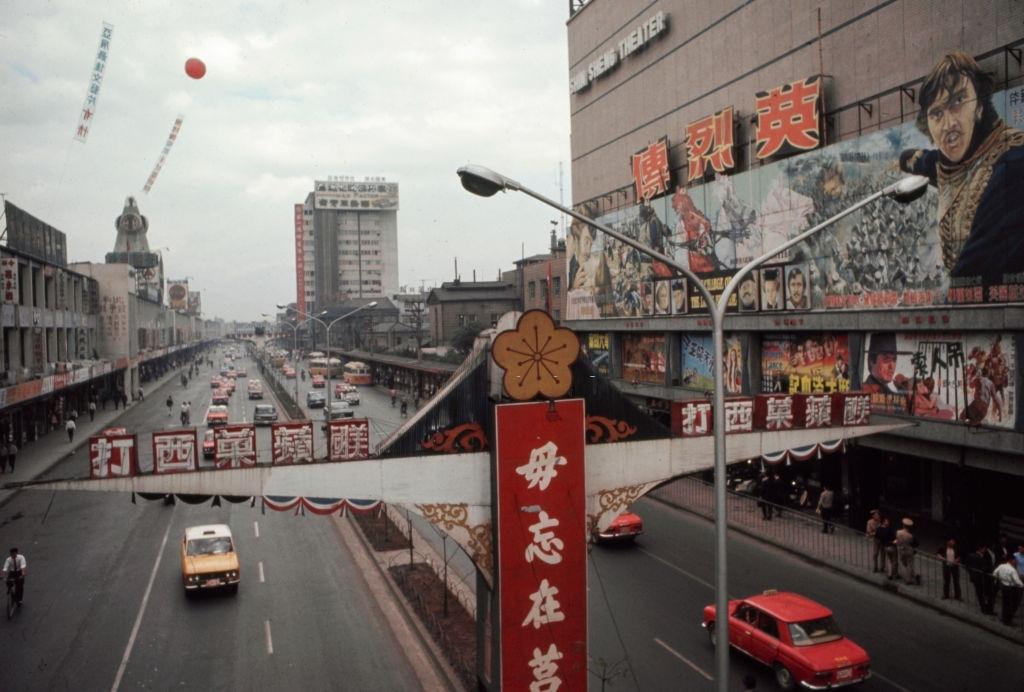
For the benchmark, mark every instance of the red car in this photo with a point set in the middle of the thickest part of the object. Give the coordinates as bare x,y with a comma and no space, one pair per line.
625,527
215,383
796,636
216,415
319,381
221,397
208,445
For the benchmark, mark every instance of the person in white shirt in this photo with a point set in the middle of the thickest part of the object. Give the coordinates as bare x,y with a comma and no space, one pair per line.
14,570
1010,585
70,428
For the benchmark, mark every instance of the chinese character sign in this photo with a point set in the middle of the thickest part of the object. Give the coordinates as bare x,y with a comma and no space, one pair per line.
291,443
99,68
174,451
111,456
348,439
234,446
709,143
788,118
805,363
171,138
650,170
9,270
542,545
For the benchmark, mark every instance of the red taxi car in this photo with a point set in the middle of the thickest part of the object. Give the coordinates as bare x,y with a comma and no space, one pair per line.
217,415
625,527
319,381
209,446
220,397
229,385
797,637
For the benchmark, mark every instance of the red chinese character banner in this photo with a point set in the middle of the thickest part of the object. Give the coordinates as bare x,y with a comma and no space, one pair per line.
112,456
234,446
9,269
771,412
971,378
789,118
650,170
348,440
709,144
174,451
291,443
542,545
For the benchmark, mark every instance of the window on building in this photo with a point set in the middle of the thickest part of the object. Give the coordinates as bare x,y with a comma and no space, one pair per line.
533,289
556,285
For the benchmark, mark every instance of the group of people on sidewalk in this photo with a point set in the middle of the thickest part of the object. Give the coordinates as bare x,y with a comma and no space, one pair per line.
991,569
892,549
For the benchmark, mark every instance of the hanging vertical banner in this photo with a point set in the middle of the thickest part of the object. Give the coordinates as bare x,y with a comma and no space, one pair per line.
348,439
177,295
234,446
174,451
9,269
542,541
111,456
98,69
171,138
291,443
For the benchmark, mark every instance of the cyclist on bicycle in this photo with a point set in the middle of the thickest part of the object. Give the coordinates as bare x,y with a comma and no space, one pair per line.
14,571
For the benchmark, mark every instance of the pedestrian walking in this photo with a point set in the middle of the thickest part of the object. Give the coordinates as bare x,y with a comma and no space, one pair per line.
979,568
877,556
92,411
949,554
905,543
170,405
764,493
70,428
777,493
12,455
825,504
142,396
124,399
1010,588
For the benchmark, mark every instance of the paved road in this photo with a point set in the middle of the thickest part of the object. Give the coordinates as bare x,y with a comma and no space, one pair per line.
646,601
92,556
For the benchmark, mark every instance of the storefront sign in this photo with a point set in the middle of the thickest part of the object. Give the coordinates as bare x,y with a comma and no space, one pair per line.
174,451
709,144
344,193
348,440
542,540
650,170
789,118
9,271
234,446
774,412
112,456
291,443
636,40
177,295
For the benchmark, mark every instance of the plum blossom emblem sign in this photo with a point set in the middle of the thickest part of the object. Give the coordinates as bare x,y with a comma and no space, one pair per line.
537,357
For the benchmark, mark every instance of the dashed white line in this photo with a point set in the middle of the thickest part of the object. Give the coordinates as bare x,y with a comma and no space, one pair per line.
262,580
665,562
142,610
270,640
682,658
256,528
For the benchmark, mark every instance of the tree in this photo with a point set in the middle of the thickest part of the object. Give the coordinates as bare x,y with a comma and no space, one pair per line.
463,338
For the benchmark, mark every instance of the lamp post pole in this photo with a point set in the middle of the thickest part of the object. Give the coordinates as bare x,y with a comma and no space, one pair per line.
328,328
485,182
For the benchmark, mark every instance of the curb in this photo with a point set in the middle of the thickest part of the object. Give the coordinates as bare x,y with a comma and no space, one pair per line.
441,664
855,574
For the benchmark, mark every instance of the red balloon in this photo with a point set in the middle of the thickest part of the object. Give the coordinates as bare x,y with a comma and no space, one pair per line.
195,68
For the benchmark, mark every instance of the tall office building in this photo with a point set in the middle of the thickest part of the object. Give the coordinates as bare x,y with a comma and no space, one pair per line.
346,242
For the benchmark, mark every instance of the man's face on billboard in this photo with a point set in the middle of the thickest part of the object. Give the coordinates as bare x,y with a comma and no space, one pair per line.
884,367
796,288
771,291
951,120
748,293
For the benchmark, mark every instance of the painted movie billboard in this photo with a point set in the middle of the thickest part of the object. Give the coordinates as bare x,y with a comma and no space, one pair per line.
697,358
958,244
805,363
969,378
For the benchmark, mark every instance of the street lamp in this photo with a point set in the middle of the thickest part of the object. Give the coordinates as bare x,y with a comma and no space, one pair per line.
485,182
328,328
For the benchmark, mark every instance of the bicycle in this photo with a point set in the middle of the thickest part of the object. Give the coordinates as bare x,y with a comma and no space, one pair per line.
12,604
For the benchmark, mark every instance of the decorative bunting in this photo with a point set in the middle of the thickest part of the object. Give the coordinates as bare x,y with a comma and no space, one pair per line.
163,154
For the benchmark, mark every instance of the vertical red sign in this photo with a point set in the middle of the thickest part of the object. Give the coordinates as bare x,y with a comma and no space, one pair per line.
300,265
112,455
291,443
234,446
650,170
542,545
348,439
174,451
789,118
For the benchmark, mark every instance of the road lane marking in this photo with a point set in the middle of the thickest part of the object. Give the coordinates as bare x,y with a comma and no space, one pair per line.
684,659
256,527
896,685
270,640
142,610
262,580
665,562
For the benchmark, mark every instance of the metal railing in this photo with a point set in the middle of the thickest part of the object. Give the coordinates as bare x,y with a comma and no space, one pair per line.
920,575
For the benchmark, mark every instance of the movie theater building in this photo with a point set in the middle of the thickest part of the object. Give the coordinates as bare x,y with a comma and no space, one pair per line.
714,132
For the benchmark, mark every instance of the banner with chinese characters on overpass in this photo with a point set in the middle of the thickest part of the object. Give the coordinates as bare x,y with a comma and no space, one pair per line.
883,257
541,514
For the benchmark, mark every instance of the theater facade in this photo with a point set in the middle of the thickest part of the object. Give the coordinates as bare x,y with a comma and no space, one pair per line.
714,132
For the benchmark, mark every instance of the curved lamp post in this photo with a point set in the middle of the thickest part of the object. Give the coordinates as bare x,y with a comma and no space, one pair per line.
328,328
485,182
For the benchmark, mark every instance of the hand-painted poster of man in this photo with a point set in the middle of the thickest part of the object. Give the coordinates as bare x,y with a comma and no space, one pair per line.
978,168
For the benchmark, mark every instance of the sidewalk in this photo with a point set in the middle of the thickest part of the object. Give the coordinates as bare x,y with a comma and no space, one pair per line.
846,550
38,457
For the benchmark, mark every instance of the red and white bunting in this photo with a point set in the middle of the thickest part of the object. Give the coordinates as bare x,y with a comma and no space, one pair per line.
112,456
348,439
542,539
174,451
291,443
234,446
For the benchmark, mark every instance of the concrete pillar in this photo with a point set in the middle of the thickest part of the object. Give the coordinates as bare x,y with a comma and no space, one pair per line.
937,488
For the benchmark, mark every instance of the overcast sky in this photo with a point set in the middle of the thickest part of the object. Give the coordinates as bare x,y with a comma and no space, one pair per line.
294,91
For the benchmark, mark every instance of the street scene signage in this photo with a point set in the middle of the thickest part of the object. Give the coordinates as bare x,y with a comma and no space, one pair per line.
291,443
348,440
111,456
234,446
175,451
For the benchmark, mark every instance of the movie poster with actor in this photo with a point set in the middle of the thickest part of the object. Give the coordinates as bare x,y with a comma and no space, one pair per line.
806,363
